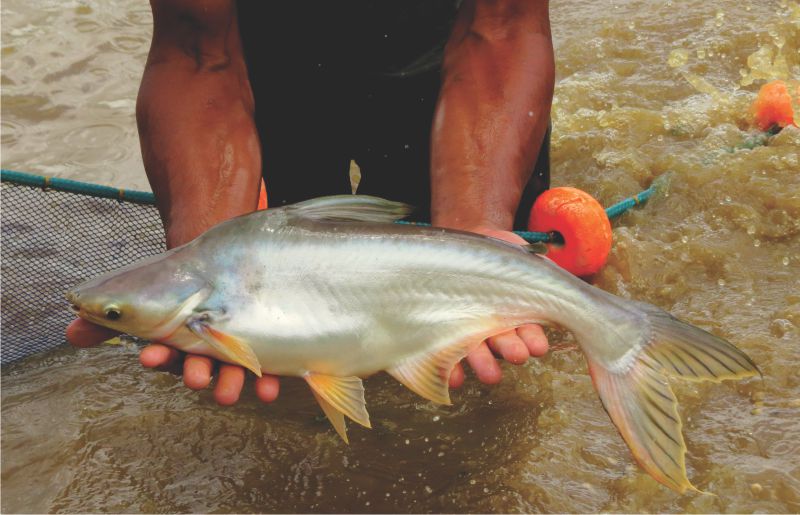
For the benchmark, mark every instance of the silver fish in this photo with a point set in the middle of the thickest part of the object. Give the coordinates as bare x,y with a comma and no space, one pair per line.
330,290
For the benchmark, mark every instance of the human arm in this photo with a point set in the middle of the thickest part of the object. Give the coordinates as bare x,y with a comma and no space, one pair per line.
491,117
201,153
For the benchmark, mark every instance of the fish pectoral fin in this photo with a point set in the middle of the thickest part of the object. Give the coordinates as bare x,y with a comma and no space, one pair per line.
340,396
428,374
234,349
350,208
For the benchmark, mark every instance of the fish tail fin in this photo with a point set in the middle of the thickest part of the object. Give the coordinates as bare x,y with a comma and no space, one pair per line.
637,396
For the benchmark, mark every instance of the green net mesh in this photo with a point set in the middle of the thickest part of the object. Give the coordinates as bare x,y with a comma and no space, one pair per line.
52,240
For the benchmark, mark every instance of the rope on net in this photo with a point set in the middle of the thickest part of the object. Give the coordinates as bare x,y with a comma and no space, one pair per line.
146,197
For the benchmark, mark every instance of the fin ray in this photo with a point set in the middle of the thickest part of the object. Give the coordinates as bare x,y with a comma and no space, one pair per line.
335,416
234,349
350,208
344,394
428,374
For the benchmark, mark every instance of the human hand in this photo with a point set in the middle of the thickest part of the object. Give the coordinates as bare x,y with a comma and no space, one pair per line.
515,346
197,370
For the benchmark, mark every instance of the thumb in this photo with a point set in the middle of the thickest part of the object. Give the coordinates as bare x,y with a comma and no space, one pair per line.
81,333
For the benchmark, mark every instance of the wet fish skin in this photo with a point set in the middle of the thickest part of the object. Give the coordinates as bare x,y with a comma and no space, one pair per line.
330,291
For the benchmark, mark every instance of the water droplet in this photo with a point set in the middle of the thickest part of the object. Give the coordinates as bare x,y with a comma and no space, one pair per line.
428,489
485,490
441,453
678,57
530,113
756,488
684,239
751,230
785,260
472,481
756,243
721,282
436,418
701,53
408,441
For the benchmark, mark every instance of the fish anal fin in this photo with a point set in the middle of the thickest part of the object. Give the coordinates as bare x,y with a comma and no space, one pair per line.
234,349
428,374
344,395
334,415
643,407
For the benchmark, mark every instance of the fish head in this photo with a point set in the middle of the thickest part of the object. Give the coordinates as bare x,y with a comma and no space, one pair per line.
150,299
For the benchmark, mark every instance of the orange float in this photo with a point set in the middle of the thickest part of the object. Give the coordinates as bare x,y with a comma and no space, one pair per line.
581,221
773,106
262,196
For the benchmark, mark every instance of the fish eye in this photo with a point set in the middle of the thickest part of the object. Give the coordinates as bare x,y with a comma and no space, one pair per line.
113,313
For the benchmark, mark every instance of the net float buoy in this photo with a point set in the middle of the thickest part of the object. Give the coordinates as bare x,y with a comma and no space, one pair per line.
262,196
582,223
773,106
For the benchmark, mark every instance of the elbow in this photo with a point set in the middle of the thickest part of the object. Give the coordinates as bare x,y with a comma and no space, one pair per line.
497,21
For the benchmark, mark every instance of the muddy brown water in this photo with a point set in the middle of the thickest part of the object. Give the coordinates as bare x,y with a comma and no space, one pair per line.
645,88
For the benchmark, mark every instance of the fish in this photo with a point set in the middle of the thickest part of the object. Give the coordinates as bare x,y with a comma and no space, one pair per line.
332,291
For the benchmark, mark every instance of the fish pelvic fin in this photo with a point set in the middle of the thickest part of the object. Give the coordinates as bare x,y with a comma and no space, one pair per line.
350,208
641,403
234,349
340,396
428,374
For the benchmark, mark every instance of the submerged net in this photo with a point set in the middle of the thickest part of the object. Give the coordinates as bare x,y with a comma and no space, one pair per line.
53,240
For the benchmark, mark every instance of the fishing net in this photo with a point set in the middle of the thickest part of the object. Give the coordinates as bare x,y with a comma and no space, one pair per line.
52,240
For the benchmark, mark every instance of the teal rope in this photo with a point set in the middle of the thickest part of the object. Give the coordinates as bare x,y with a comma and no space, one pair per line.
81,188
145,197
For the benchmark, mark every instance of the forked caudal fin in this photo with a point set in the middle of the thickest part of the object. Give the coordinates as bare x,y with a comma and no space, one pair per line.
640,402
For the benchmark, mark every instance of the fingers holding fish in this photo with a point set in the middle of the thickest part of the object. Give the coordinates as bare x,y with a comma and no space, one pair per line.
510,346
484,364
267,388
161,357
197,371
457,376
534,338
229,384
81,333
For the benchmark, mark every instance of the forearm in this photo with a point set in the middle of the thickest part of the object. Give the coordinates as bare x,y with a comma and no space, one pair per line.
492,112
199,142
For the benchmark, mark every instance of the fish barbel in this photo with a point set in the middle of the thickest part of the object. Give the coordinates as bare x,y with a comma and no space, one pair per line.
330,290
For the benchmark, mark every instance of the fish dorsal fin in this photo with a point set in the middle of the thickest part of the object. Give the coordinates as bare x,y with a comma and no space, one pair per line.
235,350
350,208
338,396
428,374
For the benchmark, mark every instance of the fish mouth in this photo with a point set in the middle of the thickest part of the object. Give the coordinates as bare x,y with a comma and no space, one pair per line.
74,305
